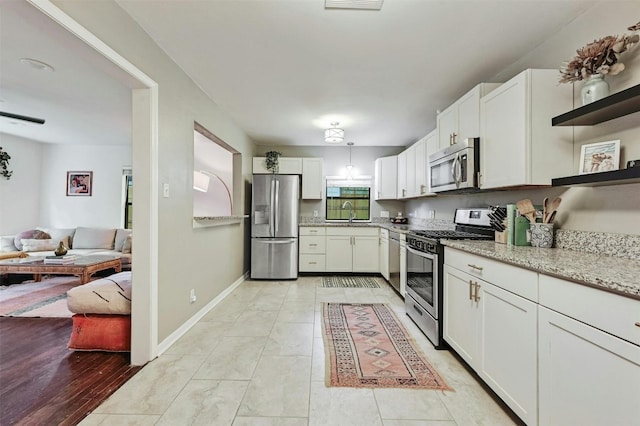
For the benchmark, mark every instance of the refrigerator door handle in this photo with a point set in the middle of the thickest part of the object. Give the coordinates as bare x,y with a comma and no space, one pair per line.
277,207
272,210
288,241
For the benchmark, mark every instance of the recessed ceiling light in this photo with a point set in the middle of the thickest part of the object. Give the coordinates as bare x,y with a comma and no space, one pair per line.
35,64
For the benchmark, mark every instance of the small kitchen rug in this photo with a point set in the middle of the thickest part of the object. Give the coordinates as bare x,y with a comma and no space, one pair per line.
366,346
350,282
47,298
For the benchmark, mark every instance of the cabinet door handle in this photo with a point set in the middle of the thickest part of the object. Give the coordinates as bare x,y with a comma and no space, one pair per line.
479,268
417,310
476,297
312,263
638,324
313,245
313,231
470,290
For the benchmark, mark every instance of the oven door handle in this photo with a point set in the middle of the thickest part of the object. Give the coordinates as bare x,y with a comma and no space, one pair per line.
421,253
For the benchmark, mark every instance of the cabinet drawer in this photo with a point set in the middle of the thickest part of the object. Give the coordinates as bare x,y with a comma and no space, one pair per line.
312,263
312,230
617,315
312,245
511,278
384,233
353,230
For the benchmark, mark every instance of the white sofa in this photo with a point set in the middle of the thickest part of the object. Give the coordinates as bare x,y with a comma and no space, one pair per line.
81,241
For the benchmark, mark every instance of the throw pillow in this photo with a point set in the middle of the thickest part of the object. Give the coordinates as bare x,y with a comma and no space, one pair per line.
126,247
7,243
94,238
32,244
23,235
121,237
61,234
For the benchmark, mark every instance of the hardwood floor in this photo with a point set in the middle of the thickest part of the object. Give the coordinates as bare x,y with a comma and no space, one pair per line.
43,382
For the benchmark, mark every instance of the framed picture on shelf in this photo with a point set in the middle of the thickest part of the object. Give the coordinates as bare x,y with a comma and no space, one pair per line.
79,184
599,157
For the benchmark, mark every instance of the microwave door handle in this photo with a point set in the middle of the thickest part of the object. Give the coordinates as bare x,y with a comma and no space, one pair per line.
453,169
459,171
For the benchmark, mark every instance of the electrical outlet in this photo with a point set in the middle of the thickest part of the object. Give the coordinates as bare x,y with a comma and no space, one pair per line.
431,214
384,213
165,190
192,296
315,213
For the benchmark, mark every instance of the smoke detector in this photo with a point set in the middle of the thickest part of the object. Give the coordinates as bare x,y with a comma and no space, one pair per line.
353,4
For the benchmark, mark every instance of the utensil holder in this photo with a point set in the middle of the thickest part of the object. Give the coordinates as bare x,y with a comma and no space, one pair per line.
541,235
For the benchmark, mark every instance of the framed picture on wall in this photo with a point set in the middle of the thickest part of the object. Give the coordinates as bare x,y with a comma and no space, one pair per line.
79,184
599,157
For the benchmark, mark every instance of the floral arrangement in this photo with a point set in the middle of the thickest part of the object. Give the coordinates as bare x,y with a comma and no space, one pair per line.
272,161
599,57
4,164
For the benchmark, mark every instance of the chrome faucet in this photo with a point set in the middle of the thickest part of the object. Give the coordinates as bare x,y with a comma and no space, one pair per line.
351,215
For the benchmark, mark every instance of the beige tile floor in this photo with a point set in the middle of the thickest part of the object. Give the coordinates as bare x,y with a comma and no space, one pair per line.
258,359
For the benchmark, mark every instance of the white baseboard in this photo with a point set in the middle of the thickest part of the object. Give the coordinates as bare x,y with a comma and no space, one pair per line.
173,337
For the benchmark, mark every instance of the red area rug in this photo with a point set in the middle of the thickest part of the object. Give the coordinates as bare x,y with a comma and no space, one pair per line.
47,298
367,347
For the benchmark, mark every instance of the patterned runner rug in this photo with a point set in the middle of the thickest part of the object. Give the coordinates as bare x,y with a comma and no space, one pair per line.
47,298
348,281
366,346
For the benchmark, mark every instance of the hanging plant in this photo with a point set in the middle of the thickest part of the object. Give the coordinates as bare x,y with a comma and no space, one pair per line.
272,161
4,164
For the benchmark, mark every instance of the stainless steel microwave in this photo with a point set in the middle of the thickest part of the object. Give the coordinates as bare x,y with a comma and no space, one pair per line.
455,167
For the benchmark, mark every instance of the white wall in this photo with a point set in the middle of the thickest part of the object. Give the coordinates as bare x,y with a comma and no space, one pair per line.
103,207
603,209
20,198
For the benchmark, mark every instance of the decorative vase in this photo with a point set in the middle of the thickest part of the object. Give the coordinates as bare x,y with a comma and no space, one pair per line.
61,250
595,87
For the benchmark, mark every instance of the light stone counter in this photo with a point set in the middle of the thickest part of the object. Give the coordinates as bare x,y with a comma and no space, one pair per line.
616,274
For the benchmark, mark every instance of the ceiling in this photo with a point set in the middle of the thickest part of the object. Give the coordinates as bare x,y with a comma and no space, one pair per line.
282,69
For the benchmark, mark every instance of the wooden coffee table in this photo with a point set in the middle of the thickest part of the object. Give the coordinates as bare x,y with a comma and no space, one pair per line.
83,267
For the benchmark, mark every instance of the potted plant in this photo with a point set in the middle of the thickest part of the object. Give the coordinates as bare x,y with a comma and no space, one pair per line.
4,164
272,161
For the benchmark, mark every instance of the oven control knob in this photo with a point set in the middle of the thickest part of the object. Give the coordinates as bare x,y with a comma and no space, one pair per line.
431,247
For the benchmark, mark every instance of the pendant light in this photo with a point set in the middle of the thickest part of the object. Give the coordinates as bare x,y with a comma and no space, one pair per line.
334,134
350,165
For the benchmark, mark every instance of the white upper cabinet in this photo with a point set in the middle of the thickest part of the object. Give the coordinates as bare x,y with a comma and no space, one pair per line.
410,172
462,119
386,178
402,175
312,178
518,145
286,166
422,166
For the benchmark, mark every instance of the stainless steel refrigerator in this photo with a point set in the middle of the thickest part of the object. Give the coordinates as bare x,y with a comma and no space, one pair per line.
274,226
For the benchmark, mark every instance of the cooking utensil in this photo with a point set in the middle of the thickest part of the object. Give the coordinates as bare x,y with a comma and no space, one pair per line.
551,217
552,210
545,209
526,208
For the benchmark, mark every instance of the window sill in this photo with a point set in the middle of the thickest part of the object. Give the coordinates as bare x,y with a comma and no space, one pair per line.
208,221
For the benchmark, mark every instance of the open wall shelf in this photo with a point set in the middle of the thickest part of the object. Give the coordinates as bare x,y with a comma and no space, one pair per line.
613,106
614,177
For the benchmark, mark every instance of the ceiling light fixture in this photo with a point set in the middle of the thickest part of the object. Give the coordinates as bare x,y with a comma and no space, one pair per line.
38,65
334,134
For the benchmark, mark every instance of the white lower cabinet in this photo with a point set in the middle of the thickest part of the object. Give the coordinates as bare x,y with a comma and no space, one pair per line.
352,249
587,376
589,358
312,246
495,332
556,352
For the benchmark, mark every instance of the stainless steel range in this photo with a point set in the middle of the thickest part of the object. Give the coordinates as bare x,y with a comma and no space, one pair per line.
425,260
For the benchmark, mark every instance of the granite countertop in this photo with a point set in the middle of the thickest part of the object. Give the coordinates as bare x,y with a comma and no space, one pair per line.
615,274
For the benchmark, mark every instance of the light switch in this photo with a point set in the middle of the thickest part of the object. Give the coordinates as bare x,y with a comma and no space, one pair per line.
165,190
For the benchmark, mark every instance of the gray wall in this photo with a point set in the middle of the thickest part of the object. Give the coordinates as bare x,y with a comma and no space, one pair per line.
205,259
